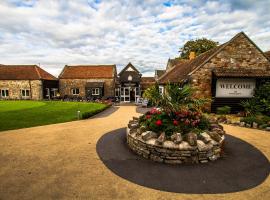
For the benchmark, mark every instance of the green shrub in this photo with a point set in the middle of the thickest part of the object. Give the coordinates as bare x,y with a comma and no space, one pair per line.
260,103
86,115
259,119
224,110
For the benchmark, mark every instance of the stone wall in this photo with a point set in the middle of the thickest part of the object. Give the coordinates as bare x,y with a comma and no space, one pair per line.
65,86
240,53
15,87
172,153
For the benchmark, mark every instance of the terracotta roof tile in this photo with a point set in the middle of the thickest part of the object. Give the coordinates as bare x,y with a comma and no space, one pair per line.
88,71
24,72
147,82
147,79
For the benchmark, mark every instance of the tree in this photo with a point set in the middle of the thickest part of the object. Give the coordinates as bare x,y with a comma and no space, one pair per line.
198,46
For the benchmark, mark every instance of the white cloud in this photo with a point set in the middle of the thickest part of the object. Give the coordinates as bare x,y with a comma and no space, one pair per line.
146,33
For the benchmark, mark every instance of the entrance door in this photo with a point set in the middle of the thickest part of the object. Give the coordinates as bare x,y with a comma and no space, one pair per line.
132,94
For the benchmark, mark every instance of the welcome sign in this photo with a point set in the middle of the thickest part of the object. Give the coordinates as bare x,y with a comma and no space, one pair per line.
242,88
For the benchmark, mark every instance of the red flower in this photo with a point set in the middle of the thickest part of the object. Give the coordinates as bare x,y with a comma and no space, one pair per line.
148,116
175,122
159,122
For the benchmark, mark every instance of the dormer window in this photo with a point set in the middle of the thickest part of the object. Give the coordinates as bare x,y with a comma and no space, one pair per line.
129,78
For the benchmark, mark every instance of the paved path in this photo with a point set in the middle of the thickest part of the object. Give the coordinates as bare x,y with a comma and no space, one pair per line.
60,162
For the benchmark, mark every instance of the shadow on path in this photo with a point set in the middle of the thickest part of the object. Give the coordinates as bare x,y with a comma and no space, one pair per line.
243,167
106,112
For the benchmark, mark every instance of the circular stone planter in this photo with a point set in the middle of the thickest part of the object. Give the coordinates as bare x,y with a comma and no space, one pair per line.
208,146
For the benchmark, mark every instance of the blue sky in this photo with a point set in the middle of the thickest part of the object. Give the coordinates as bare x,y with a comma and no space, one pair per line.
59,32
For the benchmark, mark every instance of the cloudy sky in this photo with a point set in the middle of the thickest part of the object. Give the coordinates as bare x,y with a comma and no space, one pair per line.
59,32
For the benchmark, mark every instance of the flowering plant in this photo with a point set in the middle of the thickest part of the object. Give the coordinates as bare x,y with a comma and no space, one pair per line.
170,122
178,110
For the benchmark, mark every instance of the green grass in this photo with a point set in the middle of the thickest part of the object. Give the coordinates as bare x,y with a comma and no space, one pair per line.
22,114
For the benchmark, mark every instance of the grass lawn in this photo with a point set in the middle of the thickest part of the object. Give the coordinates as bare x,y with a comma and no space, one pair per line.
22,114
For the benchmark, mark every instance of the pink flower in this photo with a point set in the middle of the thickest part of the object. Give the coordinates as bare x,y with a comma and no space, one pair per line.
159,122
187,122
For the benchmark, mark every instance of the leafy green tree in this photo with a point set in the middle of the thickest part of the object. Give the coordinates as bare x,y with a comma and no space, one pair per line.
153,95
198,46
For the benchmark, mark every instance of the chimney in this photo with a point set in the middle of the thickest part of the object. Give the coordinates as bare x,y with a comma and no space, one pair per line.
192,55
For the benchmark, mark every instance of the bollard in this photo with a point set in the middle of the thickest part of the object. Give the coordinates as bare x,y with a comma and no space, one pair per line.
78,114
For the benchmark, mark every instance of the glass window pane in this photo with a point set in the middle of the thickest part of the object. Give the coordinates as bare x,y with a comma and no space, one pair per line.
126,91
27,93
7,93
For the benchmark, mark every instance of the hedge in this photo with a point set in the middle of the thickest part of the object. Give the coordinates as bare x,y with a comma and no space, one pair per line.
86,115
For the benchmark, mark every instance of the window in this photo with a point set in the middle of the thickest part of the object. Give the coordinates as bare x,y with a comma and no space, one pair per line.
4,93
75,91
95,91
161,89
130,78
54,92
25,93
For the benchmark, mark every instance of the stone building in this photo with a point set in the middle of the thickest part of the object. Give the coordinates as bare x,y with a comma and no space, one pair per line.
88,81
267,53
26,82
227,74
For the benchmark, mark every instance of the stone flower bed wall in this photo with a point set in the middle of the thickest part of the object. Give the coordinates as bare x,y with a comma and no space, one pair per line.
176,149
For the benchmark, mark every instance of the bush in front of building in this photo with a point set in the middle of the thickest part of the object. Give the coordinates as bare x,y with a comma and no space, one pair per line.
224,110
86,115
260,103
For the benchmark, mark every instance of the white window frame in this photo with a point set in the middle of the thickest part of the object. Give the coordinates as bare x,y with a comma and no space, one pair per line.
95,91
54,92
5,91
161,90
24,95
47,92
74,91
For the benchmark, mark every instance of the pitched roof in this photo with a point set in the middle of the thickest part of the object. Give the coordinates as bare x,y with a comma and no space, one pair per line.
267,53
147,79
24,72
147,82
126,67
88,71
181,71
